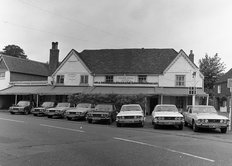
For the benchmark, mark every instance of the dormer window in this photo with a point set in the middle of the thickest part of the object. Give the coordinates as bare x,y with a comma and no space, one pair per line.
60,79
109,78
142,78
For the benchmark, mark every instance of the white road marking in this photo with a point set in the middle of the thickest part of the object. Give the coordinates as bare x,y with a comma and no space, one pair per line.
170,150
12,120
63,128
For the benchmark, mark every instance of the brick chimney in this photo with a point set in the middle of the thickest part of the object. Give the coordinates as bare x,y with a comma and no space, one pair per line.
191,56
54,58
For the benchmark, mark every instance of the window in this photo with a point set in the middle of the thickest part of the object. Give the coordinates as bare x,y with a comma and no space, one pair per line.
219,89
60,79
109,79
180,80
84,79
2,74
142,78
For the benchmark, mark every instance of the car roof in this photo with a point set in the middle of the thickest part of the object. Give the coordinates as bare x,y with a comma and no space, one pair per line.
165,105
200,106
131,105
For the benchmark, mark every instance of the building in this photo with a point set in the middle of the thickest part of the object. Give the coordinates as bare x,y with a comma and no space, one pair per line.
24,71
163,76
222,93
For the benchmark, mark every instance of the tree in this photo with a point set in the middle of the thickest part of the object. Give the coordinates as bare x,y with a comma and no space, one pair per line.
212,68
15,51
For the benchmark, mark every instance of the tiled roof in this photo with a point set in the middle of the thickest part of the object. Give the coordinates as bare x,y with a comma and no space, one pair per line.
224,77
26,66
128,61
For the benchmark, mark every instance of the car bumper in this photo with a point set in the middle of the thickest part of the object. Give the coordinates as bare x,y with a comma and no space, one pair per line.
17,111
212,125
129,121
99,118
54,114
169,122
38,113
75,116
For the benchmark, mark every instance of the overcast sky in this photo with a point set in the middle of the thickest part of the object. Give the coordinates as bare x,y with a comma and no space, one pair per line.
204,26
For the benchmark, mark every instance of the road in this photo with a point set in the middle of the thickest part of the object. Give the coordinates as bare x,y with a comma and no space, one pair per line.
26,140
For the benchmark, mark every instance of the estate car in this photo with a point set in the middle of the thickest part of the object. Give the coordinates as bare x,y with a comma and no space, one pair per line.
22,107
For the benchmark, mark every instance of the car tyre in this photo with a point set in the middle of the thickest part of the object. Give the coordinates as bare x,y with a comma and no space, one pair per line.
156,126
110,121
142,124
12,113
26,112
223,130
185,123
49,116
68,118
119,124
89,120
180,127
195,127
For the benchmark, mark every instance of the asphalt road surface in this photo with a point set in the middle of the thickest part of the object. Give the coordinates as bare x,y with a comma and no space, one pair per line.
26,140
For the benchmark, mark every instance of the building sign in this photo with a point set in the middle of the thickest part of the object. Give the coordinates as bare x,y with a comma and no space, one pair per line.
126,79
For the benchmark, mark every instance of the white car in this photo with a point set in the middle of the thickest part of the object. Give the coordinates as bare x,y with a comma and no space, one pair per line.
203,116
130,114
79,112
167,114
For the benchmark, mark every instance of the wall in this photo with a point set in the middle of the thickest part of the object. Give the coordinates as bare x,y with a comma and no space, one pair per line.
4,82
181,67
72,69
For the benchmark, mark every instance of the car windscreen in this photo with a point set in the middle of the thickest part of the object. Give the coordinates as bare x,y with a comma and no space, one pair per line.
63,104
103,108
204,110
23,103
131,108
166,109
47,104
83,105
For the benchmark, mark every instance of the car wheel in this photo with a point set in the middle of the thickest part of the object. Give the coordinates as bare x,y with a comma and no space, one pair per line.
119,124
185,123
12,113
142,124
49,116
89,120
180,127
156,126
223,130
35,114
195,128
68,118
26,112
110,121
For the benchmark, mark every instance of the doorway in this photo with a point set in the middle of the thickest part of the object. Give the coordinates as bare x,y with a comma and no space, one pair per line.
153,102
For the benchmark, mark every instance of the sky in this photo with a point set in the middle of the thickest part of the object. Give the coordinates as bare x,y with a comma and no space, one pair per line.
204,26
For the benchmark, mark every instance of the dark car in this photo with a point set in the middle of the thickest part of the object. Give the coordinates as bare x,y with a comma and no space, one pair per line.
102,112
22,107
41,111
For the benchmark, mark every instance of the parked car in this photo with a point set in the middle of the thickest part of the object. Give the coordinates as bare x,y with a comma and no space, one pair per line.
102,112
79,112
130,114
58,111
203,116
22,107
167,114
41,111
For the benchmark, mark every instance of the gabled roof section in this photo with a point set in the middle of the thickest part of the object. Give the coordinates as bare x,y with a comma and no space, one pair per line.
182,53
225,77
128,61
19,65
72,52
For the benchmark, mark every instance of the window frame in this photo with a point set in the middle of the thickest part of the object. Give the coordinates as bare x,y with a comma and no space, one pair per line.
219,89
142,78
2,74
180,83
60,79
108,79
84,79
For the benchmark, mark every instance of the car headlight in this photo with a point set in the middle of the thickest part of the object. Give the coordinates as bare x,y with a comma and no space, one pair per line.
206,120
223,121
199,120
138,117
160,118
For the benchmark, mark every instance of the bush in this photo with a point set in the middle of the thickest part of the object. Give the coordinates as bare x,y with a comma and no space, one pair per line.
117,100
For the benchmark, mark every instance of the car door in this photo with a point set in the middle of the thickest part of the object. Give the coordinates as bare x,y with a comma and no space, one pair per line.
188,115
